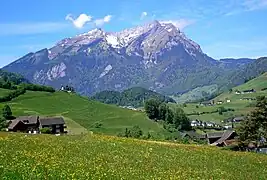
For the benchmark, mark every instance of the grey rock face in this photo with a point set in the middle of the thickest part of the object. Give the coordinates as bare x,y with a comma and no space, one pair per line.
157,56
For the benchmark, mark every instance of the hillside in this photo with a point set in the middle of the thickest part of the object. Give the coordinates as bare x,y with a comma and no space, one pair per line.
89,114
242,104
131,97
249,71
259,84
103,157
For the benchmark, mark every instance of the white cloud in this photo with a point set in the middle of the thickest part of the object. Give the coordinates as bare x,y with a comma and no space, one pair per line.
252,5
143,15
102,21
80,21
27,28
180,23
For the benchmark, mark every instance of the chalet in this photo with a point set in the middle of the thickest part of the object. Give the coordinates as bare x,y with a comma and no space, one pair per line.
33,124
214,136
210,124
227,138
237,92
238,119
248,91
219,102
206,103
228,100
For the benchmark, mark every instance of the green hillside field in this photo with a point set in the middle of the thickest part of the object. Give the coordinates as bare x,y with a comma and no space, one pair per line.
81,113
240,105
104,157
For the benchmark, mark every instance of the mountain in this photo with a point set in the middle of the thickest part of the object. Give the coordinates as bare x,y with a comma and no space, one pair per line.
250,71
235,63
131,97
156,56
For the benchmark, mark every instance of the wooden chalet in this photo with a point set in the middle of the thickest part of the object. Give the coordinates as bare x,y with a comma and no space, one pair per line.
33,124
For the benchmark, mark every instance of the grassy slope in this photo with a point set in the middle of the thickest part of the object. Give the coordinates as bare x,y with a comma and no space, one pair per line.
82,111
242,107
103,157
4,91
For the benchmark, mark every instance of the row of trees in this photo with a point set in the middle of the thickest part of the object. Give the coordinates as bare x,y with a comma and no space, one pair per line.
12,95
35,87
131,97
175,117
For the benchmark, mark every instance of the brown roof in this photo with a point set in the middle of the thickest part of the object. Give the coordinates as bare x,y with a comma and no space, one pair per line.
224,137
28,119
13,124
215,134
45,121
24,120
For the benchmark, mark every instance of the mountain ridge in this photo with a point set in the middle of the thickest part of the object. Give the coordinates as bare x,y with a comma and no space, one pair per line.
155,56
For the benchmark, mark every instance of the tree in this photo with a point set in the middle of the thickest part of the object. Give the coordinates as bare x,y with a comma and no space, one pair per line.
152,108
162,111
230,90
169,116
136,132
254,127
7,113
221,110
180,120
3,123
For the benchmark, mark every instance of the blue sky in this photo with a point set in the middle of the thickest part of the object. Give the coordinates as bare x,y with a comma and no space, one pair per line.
223,28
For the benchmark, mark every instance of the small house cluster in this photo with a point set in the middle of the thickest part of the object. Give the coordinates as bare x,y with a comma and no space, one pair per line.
199,123
34,124
67,88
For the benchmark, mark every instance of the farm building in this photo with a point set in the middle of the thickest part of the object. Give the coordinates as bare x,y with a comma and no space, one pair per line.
33,124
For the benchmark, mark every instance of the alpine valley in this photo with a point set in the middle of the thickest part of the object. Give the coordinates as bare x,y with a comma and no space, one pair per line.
156,56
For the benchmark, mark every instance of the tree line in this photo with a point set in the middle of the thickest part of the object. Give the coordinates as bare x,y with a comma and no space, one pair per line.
35,87
12,95
130,97
174,119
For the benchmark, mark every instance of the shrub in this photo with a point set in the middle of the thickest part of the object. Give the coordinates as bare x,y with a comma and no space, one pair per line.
98,125
6,111
45,130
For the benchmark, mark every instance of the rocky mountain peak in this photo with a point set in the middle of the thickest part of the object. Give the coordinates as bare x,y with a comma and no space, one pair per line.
149,55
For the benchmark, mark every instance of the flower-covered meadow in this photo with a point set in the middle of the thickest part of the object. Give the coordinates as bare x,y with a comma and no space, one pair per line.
106,157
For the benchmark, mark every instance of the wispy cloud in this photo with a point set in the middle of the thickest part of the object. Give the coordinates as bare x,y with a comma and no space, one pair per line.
80,21
180,23
143,15
253,5
236,49
28,28
102,21
84,19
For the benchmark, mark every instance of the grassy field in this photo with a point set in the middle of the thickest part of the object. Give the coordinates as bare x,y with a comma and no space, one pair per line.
103,157
4,91
81,113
